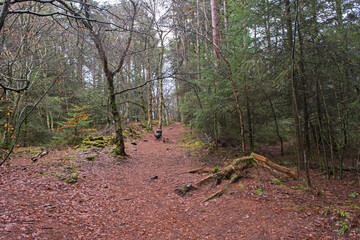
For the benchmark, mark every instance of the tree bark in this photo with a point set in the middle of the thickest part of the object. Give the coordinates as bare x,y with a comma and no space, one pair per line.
215,29
291,50
160,67
150,97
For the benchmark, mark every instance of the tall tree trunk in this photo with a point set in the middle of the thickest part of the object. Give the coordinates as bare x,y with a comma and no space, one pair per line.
215,41
251,137
307,153
177,83
215,29
206,26
198,38
226,17
160,104
276,125
150,97
4,12
119,138
294,87
167,120
303,83
160,82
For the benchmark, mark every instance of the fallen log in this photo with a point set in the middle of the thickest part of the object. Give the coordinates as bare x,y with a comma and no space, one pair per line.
274,166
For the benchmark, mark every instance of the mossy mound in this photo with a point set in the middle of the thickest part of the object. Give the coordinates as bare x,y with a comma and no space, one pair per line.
99,141
196,144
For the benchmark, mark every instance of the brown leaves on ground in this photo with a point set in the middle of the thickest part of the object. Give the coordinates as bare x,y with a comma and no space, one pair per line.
122,199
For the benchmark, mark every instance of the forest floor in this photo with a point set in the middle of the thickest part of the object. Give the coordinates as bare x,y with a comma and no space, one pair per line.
135,198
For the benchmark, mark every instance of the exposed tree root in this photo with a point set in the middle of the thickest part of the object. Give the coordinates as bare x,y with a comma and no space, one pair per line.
233,172
184,189
215,195
201,170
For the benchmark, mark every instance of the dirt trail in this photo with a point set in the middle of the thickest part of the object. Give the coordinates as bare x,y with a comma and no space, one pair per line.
121,200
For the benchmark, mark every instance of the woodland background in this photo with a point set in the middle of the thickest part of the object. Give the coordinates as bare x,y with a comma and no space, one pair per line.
242,72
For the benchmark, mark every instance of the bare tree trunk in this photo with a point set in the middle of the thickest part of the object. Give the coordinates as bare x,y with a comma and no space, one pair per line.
226,17
160,104
251,138
215,30
291,49
198,38
160,66
307,152
150,97
4,13
206,26
167,120
119,138
276,124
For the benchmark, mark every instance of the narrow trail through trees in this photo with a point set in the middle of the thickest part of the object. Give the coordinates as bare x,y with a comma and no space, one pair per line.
135,198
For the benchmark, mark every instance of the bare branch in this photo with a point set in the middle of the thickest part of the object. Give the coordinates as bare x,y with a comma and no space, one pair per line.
18,90
149,81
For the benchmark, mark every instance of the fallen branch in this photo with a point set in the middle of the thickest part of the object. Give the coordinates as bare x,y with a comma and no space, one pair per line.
201,170
274,166
40,155
231,171
215,195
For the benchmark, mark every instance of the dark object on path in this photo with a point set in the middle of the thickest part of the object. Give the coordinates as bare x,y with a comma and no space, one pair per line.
158,133
152,178
134,143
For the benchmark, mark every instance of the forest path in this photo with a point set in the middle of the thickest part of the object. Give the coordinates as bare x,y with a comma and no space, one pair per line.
120,200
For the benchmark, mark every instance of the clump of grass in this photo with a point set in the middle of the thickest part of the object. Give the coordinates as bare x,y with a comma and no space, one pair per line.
90,158
69,158
258,191
353,195
344,228
73,178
